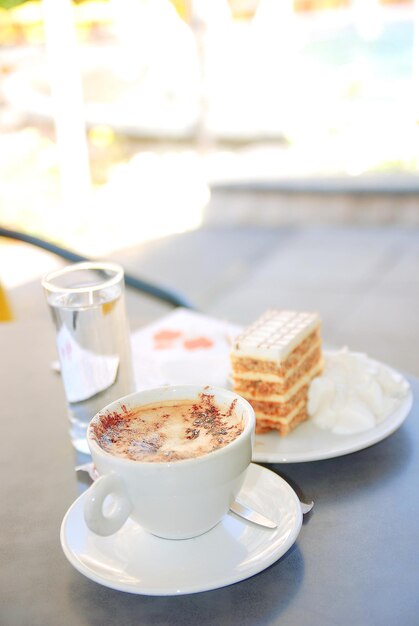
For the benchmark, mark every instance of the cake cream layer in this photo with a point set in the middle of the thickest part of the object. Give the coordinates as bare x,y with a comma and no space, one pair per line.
264,425
264,385
272,392
275,335
274,420
244,366
279,409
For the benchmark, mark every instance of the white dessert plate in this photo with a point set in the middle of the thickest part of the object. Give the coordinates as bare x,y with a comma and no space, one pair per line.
308,442
134,561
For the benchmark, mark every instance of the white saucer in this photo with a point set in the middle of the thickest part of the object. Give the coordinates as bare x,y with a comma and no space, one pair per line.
310,443
137,562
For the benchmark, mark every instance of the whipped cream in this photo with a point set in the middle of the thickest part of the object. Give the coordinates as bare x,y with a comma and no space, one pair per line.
354,393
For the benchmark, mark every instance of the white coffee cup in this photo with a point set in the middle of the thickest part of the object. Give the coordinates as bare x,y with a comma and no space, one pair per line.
173,499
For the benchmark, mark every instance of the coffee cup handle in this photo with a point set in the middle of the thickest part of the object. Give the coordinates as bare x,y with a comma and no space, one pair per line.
96,520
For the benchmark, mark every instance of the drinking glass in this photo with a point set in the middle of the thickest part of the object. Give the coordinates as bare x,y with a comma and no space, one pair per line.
88,308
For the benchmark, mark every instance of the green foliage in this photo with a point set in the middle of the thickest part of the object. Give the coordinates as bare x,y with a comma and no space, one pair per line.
11,4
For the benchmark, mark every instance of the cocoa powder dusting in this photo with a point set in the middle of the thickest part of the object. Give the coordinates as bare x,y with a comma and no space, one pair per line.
168,431
209,416
107,423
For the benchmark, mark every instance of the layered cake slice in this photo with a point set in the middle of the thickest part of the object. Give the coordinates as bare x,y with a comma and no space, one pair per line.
273,362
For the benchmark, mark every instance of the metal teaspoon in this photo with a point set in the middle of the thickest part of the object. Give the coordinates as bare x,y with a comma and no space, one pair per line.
251,515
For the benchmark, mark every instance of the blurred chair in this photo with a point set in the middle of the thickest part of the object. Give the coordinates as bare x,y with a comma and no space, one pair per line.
149,289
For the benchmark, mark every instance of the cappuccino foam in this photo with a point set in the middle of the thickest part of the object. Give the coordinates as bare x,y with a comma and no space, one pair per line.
168,431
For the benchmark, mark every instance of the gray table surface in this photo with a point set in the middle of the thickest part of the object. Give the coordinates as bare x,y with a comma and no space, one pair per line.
356,560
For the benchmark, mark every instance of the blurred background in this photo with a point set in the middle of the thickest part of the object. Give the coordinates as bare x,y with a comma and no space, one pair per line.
152,105
209,135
